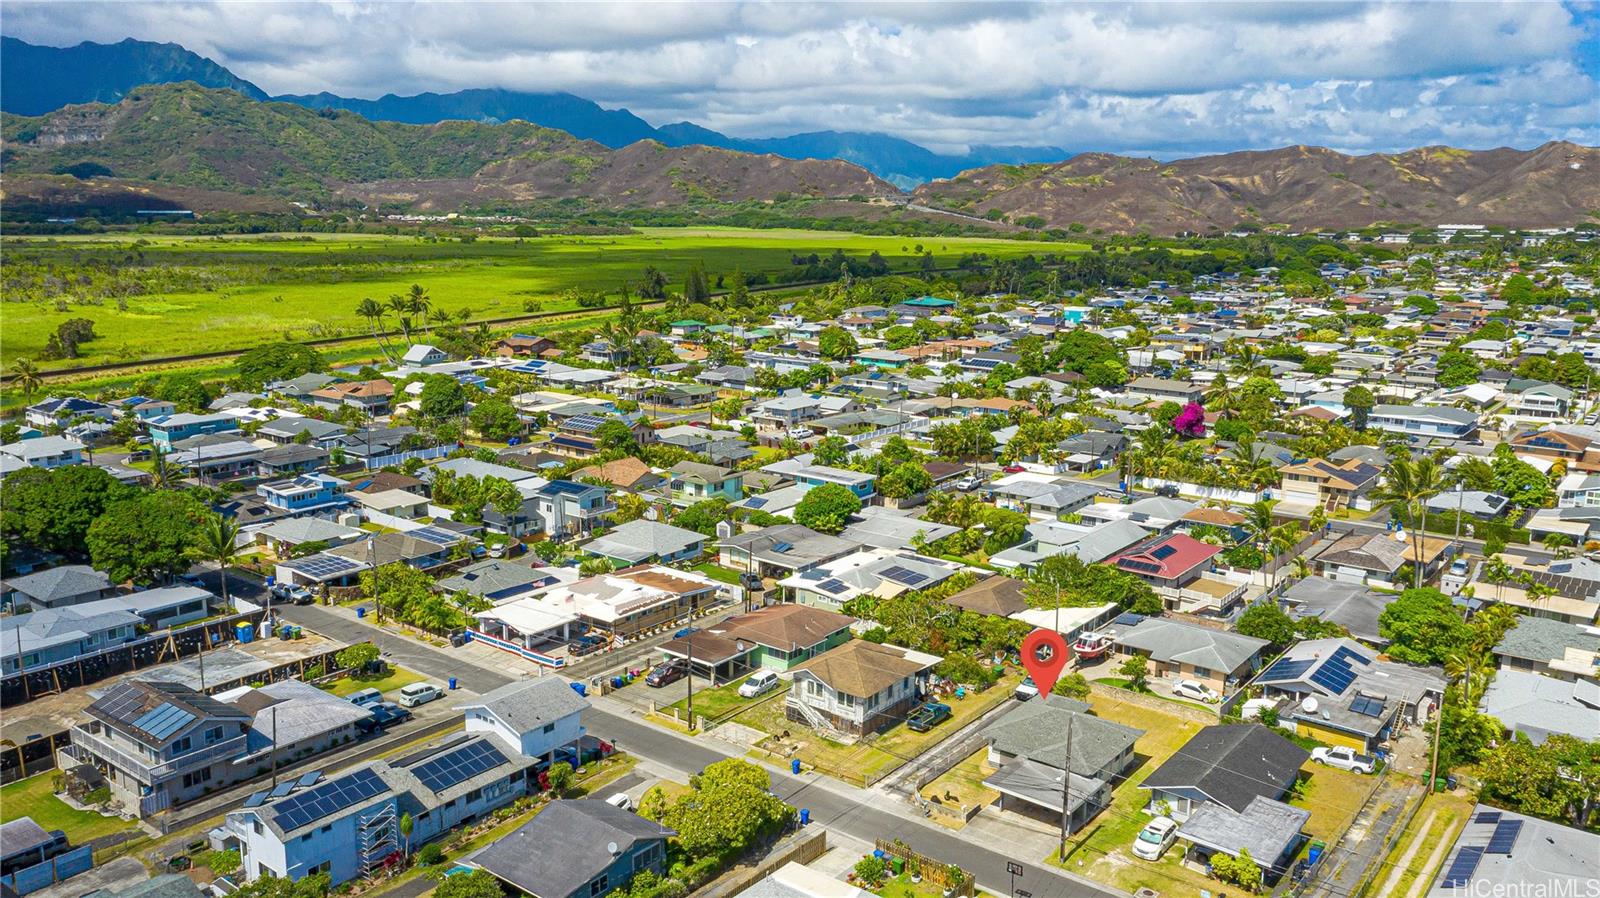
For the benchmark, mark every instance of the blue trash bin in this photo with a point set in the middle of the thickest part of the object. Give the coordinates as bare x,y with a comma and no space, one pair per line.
805,816
794,766
452,683
361,611
579,688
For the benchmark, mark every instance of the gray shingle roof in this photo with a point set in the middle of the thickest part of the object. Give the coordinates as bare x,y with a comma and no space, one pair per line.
1265,827
1232,764
1034,730
60,582
565,847
642,540
529,704
1543,640
1176,641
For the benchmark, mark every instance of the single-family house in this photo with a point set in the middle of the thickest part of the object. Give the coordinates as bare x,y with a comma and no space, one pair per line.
166,431
537,717
858,688
1341,693
1182,650
1499,850
1226,764
1375,559
777,637
56,587
1037,777
602,848
693,482
642,541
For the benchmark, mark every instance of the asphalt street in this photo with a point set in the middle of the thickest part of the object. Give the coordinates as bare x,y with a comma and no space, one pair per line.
853,812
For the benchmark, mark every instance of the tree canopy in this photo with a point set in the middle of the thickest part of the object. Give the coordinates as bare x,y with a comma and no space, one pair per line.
1423,627
146,538
827,508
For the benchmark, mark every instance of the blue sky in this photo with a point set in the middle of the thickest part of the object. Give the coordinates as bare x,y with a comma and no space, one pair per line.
1166,79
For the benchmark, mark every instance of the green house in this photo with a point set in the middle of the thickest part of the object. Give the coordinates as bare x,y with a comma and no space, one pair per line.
777,637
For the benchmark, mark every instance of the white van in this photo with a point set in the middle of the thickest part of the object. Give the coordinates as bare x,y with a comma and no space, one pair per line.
361,698
419,694
760,683
621,801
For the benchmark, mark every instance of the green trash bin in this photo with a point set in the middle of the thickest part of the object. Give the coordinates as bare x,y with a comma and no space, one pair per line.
899,866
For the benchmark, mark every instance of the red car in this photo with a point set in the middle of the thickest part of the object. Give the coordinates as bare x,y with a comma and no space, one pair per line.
1014,469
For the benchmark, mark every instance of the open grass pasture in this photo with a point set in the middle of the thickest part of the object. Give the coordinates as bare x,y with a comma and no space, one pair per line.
158,296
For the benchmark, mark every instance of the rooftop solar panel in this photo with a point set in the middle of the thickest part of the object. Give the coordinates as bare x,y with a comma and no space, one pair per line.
282,789
435,535
755,502
1461,869
902,575
1487,817
1504,837
1287,669
309,779
1367,705
459,765
1164,551
256,800
328,798
833,587
163,720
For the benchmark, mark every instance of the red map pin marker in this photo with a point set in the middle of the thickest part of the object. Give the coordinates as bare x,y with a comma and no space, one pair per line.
1044,654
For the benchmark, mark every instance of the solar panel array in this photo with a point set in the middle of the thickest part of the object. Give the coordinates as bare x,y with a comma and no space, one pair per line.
1336,674
1148,567
163,720
331,797
1164,551
1366,704
1461,869
282,789
323,565
1288,669
833,587
583,423
904,576
435,535
755,502
256,800
459,765
121,706
309,779
1487,817
1504,837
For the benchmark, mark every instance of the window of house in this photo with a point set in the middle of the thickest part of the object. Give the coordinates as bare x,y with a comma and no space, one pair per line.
182,745
307,837
598,886
474,795
327,828
256,825
324,867
214,734
549,728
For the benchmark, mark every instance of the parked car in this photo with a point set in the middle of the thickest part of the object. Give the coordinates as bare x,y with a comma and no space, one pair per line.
362,698
1026,689
1345,759
759,683
387,714
1167,490
930,715
801,433
299,595
1014,469
969,483
419,694
1156,837
620,801
686,631
1194,689
666,674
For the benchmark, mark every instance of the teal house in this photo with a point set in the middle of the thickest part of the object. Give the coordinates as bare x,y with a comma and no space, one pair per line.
924,306
693,482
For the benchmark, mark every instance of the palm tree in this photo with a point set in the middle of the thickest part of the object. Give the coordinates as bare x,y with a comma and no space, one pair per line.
1407,486
1467,667
161,474
26,375
1222,397
419,301
373,311
1301,567
1257,523
401,306
219,538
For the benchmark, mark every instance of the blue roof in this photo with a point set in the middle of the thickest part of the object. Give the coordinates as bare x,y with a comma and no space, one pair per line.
929,302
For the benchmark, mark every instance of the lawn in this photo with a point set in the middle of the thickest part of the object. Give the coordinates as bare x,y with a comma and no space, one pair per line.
181,295
871,759
397,677
1333,797
712,703
34,797
718,572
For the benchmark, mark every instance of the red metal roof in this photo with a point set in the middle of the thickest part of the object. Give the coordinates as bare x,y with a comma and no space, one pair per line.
1167,558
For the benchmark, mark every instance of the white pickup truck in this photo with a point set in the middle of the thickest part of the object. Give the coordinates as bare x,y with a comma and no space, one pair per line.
1345,759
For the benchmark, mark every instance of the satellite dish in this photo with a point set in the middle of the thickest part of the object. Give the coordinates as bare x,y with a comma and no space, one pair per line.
612,847
1309,704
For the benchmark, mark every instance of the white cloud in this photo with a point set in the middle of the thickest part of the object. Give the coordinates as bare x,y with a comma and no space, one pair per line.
1167,78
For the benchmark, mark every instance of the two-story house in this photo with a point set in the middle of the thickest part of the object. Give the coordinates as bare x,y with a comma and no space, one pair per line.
858,688
567,508
307,494
1424,422
374,397
166,431
158,744
862,484
1333,486
537,717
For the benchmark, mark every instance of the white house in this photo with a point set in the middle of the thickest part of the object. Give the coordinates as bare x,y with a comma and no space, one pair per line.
540,715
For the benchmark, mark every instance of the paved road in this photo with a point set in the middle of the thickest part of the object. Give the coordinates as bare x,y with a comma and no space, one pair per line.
854,812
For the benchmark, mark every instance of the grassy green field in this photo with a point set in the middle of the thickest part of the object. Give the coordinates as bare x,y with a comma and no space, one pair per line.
32,797
168,296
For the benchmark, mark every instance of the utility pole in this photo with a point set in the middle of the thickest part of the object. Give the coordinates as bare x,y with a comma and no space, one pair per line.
274,747
205,641
1438,728
689,680
372,559
1066,787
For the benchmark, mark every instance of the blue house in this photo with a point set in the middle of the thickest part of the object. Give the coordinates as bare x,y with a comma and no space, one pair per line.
169,429
600,848
1425,421
305,493
694,482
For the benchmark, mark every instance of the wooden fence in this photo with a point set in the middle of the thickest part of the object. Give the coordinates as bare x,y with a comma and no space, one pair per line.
942,874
